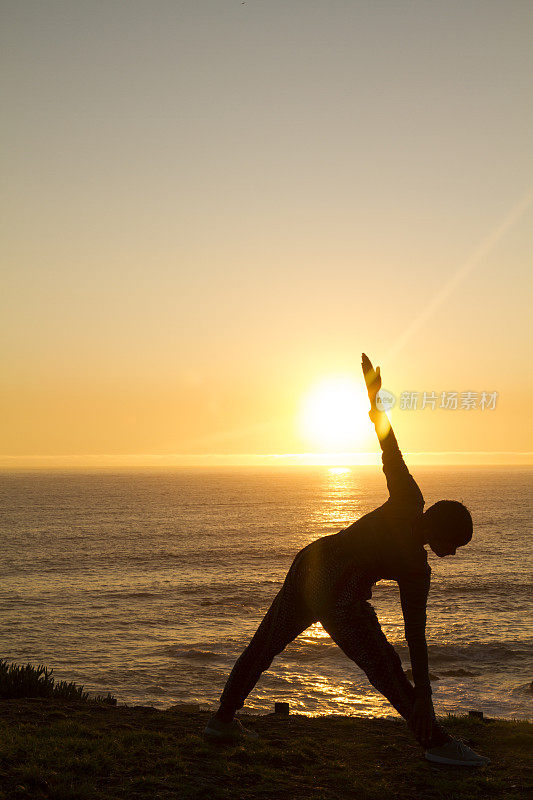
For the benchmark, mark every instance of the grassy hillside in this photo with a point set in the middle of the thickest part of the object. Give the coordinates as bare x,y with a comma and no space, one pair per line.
53,748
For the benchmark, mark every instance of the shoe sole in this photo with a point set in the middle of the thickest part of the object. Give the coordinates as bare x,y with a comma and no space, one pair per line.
211,734
456,763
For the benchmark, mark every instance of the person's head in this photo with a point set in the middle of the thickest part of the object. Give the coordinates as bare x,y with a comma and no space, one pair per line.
445,526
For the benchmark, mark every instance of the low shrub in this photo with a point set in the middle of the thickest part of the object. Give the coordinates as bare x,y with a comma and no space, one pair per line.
30,681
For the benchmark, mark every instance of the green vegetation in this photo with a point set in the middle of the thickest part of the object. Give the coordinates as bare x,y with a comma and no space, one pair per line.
67,750
30,681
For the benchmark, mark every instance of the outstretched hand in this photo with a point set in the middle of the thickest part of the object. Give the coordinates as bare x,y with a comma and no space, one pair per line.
372,378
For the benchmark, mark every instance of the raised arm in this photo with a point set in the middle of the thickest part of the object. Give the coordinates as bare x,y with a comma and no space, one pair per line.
404,491
400,483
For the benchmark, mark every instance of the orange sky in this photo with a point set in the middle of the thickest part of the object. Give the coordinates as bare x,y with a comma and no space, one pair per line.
212,207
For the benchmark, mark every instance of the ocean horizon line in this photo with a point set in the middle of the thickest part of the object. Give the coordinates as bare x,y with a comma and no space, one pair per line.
441,458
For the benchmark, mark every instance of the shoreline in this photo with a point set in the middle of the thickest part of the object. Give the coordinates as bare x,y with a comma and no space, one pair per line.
64,750
210,709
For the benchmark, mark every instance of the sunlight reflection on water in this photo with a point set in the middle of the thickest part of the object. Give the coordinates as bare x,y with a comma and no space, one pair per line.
316,631
152,585
340,499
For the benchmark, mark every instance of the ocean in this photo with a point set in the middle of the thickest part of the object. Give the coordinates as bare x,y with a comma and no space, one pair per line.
149,584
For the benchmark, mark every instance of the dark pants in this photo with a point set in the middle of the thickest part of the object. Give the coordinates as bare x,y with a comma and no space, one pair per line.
351,622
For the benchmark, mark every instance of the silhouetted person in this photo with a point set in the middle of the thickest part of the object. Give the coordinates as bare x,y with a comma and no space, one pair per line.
331,581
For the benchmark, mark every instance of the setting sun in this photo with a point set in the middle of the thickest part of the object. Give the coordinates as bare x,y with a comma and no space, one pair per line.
334,413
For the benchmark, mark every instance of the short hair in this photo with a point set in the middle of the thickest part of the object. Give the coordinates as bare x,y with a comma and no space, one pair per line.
450,521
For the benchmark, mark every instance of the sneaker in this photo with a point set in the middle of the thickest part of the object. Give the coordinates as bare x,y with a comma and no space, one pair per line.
217,731
456,752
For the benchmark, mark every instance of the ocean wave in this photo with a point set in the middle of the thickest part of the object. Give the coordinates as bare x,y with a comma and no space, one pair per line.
314,650
447,660
238,601
223,587
409,675
460,672
190,653
270,679
456,660
503,588
117,594
480,653
523,689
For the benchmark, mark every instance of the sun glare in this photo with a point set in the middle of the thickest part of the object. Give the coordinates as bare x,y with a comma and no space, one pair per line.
334,413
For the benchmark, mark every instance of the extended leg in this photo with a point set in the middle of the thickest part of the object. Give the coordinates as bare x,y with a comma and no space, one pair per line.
283,622
356,629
